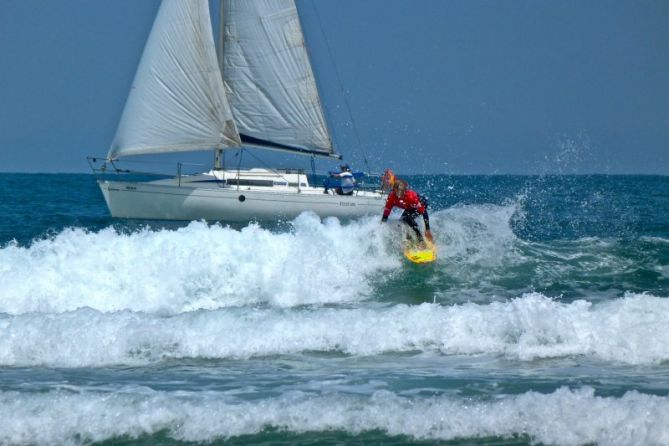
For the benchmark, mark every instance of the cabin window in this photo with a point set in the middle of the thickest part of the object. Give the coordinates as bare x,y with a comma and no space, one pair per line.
244,182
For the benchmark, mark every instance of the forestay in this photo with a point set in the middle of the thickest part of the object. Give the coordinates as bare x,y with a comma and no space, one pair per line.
177,102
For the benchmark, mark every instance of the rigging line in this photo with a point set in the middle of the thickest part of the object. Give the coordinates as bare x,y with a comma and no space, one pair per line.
343,93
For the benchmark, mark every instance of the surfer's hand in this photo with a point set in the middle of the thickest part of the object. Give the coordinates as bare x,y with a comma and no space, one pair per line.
384,219
428,235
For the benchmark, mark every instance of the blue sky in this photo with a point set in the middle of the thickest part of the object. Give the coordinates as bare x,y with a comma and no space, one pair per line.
433,86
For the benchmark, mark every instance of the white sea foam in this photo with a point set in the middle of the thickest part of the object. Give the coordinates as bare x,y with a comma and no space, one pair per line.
196,267
209,267
630,330
564,417
658,240
169,272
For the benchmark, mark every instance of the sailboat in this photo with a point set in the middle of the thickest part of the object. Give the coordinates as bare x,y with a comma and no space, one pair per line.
256,89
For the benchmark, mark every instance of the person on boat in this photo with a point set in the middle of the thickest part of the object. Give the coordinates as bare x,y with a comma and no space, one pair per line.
346,181
413,205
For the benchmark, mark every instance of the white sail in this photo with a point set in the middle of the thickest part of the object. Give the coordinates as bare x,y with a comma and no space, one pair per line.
268,78
177,102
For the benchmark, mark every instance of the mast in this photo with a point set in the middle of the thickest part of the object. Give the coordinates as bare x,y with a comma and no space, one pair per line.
219,156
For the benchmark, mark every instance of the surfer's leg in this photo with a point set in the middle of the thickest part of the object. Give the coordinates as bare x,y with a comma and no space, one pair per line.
410,219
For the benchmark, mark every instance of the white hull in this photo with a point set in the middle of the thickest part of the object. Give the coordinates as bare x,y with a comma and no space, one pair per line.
193,199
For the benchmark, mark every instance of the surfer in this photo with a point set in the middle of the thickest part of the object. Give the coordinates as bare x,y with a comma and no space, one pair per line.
413,205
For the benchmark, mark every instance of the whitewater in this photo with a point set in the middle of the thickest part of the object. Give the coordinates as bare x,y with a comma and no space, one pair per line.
543,321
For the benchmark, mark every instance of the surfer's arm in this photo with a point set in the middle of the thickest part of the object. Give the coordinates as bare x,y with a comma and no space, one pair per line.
386,213
390,202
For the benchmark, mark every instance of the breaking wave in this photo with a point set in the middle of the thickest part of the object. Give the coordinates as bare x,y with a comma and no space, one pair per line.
630,330
80,417
200,266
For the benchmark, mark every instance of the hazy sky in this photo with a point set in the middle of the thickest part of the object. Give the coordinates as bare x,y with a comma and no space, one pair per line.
433,86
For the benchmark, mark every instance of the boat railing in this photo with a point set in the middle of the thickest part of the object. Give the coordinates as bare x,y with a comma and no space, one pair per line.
136,170
105,168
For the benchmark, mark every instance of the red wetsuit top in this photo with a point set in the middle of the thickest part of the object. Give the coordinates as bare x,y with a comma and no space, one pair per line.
410,200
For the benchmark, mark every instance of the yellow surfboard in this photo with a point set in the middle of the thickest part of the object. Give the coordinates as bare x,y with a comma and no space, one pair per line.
427,253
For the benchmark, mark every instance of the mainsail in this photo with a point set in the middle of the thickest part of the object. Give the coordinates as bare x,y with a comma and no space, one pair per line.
177,102
259,91
268,77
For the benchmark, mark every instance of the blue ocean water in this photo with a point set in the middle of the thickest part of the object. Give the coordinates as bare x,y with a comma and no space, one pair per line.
544,320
